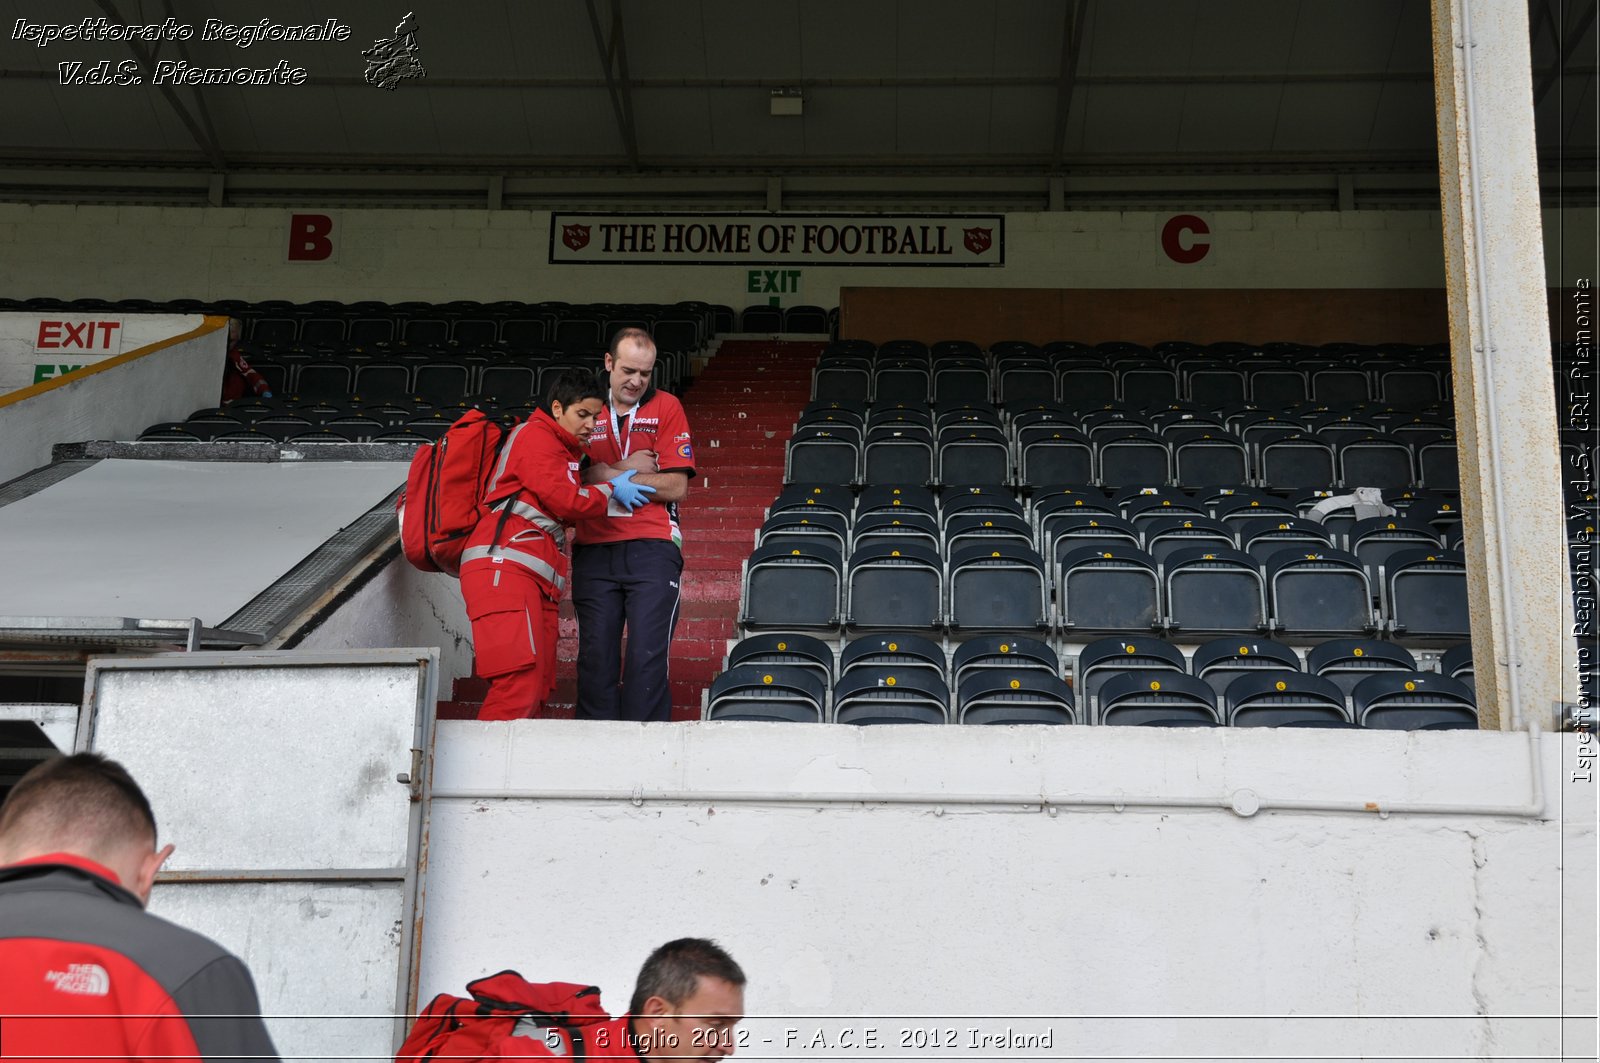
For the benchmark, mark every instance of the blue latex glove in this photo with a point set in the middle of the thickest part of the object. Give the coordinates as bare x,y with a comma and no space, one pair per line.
628,493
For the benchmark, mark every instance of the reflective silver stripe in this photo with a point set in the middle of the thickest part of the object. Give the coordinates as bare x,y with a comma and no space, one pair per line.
544,523
505,455
537,564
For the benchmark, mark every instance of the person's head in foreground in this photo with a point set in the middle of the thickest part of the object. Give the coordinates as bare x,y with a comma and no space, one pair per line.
686,1002
574,401
629,365
85,806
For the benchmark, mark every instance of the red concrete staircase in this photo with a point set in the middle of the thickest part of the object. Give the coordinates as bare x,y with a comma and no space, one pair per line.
742,409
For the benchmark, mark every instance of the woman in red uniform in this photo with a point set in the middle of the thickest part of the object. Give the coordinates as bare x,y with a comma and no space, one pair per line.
515,565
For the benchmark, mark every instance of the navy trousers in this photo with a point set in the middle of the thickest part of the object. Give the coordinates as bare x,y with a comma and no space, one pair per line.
630,584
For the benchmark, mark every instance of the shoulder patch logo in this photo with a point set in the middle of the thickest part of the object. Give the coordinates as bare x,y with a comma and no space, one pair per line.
80,979
685,451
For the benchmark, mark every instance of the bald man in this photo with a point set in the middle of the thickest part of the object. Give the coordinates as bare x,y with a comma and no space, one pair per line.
85,971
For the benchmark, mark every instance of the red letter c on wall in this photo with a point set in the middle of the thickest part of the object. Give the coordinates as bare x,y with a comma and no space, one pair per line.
1172,235
308,237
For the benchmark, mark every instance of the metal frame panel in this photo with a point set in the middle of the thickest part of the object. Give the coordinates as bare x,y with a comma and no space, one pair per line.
123,687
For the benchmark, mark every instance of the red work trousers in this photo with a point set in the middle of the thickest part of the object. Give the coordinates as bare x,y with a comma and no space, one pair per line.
514,630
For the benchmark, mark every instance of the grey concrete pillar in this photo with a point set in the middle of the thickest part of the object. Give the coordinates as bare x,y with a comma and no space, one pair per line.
1523,650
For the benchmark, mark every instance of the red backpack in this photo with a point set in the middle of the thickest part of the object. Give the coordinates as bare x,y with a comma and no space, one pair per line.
453,1028
443,499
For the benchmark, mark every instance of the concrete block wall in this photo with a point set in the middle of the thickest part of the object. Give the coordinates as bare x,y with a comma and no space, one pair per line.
74,251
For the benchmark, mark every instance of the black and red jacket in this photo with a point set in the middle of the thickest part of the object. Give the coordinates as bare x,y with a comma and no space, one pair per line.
87,973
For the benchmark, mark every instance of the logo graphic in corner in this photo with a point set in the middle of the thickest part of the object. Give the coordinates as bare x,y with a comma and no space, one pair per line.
80,979
977,240
685,450
575,236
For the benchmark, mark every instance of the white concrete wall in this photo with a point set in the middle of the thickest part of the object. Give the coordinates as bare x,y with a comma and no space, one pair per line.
170,252
402,606
868,914
117,402
74,339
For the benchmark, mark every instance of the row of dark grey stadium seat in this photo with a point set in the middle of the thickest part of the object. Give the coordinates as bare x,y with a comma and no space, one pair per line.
989,586
1127,680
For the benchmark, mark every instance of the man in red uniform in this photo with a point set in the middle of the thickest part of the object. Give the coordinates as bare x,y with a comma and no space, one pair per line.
515,566
85,971
626,568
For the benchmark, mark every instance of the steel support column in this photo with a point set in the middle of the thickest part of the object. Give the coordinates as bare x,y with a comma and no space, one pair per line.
1518,589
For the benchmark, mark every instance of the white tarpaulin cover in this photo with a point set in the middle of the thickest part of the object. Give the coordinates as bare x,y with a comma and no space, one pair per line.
172,540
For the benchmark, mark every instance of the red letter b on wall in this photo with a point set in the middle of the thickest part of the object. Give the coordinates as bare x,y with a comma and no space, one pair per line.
308,237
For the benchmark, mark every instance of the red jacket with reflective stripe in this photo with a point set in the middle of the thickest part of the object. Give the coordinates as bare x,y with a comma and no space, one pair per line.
86,972
538,475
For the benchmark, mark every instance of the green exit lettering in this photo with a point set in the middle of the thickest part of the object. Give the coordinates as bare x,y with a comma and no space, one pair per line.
773,281
42,372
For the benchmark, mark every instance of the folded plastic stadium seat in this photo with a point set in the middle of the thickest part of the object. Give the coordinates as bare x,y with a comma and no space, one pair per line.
508,384
1410,386
817,454
1426,594
1213,590
475,331
1024,378
1213,383
370,331
1102,659
877,695
1165,535
1133,458
812,319
833,498
1222,660
770,693
1115,589
1347,662
1296,462
1084,383
1339,384
1276,385
383,381
1284,698
899,415
761,318
1146,385
800,527
323,330
882,497
959,380
1438,463
1008,652
972,453
994,696
574,334
991,497
1051,450
1210,458
1411,701
908,526
899,651
842,378
273,331
998,585
1257,426
1375,461
1321,593
1145,698
1377,539
895,454
1054,501
907,380
1263,538
441,383
1457,664
790,649
791,586
1064,531
317,381
524,333
890,585
1142,506
170,432
282,427
967,527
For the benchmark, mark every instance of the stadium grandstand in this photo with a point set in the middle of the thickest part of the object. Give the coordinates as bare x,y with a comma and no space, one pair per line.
1184,411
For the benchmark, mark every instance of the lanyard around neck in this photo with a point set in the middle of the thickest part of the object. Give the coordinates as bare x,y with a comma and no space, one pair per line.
624,440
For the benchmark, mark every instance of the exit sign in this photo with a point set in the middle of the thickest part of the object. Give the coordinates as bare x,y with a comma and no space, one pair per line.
773,283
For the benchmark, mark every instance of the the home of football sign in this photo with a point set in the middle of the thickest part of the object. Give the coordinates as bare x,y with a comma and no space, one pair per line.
779,239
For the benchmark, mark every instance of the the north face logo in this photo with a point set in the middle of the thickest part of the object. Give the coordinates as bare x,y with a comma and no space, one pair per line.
80,979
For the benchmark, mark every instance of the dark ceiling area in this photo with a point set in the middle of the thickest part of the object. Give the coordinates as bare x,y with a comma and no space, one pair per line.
1013,104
